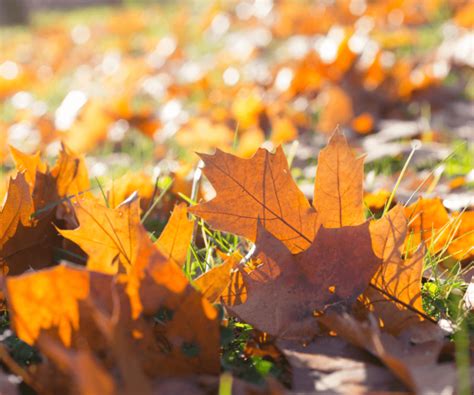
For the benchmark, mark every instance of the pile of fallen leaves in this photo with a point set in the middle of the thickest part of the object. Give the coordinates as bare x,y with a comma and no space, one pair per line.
333,297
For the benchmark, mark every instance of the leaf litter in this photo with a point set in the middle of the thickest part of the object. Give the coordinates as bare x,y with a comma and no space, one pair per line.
323,289
322,277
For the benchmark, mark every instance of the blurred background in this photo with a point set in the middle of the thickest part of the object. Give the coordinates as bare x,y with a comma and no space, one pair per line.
139,86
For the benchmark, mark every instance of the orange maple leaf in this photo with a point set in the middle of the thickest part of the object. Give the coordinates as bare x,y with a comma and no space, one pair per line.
259,188
338,188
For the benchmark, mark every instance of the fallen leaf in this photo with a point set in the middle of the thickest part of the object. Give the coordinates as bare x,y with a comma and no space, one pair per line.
29,164
395,295
414,364
70,173
428,222
461,246
331,365
285,291
338,188
176,237
213,283
108,236
18,208
36,243
259,188
48,300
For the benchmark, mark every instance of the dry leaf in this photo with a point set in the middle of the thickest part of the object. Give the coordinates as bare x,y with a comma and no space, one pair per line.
17,209
461,246
213,283
338,191
259,188
330,364
29,164
49,301
414,364
176,237
108,236
285,291
428,220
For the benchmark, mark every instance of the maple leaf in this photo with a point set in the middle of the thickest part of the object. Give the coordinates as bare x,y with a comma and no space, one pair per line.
339,203
156,286
108,236
176,237
49,300
213,283
88,375
338,192
174,329
17,209
414,364
395,295
35,242
29,164
428,224
461,246
285,291
70,173
259,188
329,364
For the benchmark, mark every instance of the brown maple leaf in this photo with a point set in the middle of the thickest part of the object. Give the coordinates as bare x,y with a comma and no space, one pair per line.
339,203
329,364
285,291
259,188
415,365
